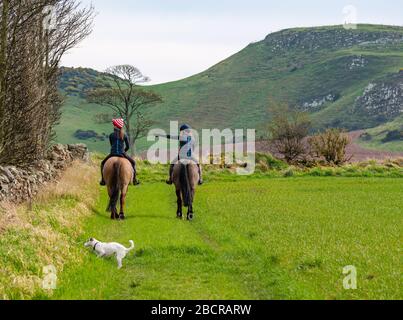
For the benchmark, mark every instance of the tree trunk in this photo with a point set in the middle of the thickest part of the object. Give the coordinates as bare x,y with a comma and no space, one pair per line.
3,65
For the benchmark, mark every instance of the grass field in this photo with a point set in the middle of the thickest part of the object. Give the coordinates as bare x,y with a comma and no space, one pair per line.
274,235
254,239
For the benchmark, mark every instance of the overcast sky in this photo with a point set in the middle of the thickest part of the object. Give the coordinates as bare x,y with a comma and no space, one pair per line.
172,39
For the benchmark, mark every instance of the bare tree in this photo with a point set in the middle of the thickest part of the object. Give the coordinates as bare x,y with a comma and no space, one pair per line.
127,99
287,131
30,54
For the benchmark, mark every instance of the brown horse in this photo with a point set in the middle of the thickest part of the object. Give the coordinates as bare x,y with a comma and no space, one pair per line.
118,174
185,178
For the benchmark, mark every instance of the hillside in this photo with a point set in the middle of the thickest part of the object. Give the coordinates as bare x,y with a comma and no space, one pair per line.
388,136
343,78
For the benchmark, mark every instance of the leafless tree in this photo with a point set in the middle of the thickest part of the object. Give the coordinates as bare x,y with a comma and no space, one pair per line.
127,99
287,130
30,53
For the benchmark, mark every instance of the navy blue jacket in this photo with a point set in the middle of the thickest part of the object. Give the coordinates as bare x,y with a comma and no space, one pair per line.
118,147
186,144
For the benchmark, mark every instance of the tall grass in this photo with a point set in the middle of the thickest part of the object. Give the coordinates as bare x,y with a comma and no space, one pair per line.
269,167
36,235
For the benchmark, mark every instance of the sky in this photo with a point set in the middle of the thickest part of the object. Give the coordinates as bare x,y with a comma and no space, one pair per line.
172,39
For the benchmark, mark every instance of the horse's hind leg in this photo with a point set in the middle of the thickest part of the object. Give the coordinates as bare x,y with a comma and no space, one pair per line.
179,202
190,208
190,212
122,206
114,214
113,210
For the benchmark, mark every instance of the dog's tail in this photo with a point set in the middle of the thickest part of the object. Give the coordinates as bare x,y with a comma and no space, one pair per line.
131,246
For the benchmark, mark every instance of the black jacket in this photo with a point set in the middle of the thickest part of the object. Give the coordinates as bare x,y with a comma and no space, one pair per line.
118,147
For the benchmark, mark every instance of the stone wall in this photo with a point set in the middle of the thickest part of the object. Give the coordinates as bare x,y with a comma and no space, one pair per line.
20,184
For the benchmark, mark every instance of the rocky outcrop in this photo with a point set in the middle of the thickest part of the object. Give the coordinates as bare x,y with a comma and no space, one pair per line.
357,62
314,39
317,103
20,184
382,99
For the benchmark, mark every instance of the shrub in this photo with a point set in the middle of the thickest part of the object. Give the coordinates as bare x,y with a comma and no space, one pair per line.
366,136
289,172
287,130
269,161
331,146
394,135
88,134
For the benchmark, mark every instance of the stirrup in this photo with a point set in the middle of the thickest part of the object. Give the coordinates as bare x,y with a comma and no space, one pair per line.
169,181
102,183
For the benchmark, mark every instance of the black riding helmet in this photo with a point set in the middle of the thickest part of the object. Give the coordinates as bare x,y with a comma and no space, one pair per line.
184,127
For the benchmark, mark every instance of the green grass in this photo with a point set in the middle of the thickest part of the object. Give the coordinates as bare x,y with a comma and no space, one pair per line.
282,233
44,233
379,133
252,239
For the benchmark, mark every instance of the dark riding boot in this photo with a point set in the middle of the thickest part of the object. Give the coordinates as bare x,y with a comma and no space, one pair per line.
135,181
200,175
171,171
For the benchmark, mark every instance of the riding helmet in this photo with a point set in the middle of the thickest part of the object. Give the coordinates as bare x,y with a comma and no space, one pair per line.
184,127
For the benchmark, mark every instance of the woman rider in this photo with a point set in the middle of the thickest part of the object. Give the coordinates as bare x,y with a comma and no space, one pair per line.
119,146
186,148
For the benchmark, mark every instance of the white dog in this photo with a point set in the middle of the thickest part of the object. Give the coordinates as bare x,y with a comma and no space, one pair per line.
108,249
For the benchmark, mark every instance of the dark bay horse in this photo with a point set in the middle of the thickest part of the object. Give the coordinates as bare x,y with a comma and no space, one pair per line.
185,177
118,174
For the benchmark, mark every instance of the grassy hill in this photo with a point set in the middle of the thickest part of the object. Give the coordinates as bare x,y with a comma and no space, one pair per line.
388,136
343,78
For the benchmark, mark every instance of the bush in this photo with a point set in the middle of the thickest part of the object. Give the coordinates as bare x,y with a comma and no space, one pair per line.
366,137
331,146
394,135
267,160
288,130
88,134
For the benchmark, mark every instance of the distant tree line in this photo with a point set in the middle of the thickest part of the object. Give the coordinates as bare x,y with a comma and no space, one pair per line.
34,35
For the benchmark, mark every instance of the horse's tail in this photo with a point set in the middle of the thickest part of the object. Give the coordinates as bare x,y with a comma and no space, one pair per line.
115,185
185,185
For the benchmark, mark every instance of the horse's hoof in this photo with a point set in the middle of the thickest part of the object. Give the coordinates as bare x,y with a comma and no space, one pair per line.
190,217
179,215
121,217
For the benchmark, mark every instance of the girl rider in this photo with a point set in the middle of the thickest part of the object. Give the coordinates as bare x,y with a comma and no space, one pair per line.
119,146
186,148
